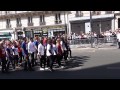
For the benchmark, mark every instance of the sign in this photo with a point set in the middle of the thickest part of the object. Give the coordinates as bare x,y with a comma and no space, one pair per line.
45,32
87,27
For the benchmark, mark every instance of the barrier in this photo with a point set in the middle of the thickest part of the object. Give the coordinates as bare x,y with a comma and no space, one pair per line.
95,41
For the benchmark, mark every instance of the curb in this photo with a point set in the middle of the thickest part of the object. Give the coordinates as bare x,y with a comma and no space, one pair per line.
94,48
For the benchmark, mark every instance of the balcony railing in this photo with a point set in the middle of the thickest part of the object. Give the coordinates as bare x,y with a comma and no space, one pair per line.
58,21
78,15
18,25
42,23
30,24
108,12
8,26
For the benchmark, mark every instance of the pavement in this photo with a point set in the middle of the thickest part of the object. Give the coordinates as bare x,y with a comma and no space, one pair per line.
84,64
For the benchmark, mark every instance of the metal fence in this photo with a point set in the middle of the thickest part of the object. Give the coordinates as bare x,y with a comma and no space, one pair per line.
95,41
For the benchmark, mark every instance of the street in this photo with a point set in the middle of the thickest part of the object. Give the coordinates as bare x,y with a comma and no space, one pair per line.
85,64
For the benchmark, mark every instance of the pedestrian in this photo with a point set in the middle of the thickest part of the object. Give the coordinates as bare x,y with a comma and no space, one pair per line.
59,52
49,55
31,50
3,57
36,42
15,53
41,55
20,52
118,39
9,53
54,50
64,46
27,63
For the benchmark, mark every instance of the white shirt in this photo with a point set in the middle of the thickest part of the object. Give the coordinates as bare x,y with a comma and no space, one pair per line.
41,49
47,50
15,52
54,49
118,37
31,47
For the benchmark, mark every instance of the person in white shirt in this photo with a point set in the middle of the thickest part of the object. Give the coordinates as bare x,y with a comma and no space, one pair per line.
49,55
15,53
31,50
41,54
54,51
118,38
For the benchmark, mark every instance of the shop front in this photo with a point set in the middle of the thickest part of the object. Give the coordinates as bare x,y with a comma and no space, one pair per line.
7,34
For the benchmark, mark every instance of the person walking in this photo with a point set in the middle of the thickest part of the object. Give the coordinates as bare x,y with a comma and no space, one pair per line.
27,63
118,39
31,50
3,57
36,42
15,53
41,55
59,52
9,53
49,55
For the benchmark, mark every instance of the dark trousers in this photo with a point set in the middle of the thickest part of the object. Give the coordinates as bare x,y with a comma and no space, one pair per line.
12,61
4,68
59,58
65,54
50,61
42,61
20,57
27,63
15,59
54,57
70,52
119,44
32,59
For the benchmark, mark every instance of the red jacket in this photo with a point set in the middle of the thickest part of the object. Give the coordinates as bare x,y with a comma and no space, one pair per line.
1,53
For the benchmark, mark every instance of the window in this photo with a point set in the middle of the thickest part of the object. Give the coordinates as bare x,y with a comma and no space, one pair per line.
78,14
29,19
108,12
58,18
42,18
8,23
18,20
7,12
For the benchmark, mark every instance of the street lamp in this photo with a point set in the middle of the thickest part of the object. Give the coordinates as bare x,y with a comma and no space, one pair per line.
91,29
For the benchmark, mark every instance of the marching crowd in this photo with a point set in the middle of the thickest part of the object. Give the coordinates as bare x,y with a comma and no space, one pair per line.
27,52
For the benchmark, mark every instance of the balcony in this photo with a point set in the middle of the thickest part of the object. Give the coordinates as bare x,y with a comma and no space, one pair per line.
96,12
108,12
42,23
18,25
58,22
8,26
79,14
30,24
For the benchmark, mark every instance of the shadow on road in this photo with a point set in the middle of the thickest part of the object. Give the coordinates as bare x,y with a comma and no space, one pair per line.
109,71
76,61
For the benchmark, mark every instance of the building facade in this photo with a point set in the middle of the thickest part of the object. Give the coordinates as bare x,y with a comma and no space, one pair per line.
18,24
79,21
33,23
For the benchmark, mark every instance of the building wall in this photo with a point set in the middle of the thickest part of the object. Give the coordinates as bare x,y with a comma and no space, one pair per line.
36,21
24,22
50,20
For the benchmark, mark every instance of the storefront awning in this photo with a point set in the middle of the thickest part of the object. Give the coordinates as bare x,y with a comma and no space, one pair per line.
4,35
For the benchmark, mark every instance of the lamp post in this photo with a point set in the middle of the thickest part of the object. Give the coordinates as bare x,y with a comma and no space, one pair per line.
91,29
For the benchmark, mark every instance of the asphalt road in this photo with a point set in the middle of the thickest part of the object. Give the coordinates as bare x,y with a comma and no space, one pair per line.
85,64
